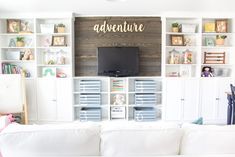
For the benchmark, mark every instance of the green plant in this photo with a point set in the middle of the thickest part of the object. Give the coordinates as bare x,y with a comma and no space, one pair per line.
175,24
20,39
221,36
60,25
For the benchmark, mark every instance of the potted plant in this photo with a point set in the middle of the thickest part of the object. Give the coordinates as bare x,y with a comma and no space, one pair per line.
60,28
220,39
175,27
20,41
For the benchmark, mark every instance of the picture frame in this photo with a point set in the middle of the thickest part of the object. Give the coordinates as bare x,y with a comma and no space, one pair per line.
209,27
221,26
177,40
47,28
58,41
209,42
13,25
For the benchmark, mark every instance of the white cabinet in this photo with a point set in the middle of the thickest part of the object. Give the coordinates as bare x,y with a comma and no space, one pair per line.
54,99
181,101
214,100
31,99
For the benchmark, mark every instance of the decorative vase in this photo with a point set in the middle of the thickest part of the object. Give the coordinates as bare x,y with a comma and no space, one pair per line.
175,29
219,42
19,44
60,29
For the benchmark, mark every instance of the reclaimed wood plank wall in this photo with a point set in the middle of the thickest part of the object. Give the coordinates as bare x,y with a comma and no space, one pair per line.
87,41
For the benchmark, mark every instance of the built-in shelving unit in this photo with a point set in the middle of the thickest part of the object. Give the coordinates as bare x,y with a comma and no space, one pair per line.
119,98
193,42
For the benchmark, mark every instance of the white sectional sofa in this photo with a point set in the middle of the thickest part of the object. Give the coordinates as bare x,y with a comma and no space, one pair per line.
117,139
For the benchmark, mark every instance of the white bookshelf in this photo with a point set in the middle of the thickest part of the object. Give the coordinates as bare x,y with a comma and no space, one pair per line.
197,47
126,88
35,42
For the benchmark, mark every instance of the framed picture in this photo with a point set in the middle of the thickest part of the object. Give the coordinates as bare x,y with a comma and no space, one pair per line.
177,40
209,42
209,27
47,28
13,26
58,41
221,26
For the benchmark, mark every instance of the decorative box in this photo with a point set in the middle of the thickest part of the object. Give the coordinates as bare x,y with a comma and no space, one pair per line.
188,28
47,28
118,112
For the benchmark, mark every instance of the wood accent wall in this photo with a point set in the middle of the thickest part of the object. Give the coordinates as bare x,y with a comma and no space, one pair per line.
87,41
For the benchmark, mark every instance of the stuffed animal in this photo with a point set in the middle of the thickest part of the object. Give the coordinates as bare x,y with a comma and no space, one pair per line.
5,121
27,55
118,99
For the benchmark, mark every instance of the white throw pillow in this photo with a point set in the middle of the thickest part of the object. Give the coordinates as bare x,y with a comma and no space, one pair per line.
50,140
208,139
146,140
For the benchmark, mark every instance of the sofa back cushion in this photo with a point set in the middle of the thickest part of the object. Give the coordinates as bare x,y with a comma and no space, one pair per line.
50,140
140,140
208,140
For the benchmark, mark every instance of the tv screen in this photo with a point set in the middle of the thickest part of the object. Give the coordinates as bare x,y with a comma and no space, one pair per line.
118,61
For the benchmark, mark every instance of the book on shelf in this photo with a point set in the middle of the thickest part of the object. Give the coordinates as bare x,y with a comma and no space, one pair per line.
8,68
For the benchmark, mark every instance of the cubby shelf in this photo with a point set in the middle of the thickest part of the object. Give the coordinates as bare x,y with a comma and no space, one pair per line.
110,109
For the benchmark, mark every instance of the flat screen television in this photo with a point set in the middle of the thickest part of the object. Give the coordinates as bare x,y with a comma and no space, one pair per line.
118,61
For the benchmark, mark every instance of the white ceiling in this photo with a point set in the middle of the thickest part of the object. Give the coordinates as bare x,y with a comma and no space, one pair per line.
117,7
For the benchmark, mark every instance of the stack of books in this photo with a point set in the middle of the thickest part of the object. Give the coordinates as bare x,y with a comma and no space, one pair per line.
117,85
8,68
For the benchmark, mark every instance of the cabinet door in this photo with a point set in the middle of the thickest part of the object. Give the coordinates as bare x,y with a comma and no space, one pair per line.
46,99
223,86
190,99
173,100
31,99
64,100
208,96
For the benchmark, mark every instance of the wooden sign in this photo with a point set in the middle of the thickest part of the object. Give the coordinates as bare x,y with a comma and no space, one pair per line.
124,27
214,57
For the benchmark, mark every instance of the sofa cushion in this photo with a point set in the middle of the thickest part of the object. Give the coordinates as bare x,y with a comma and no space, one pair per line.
140,140
50,140
208,140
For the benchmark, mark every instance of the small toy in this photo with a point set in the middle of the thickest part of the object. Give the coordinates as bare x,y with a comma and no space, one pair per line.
118,99
27,55
207,72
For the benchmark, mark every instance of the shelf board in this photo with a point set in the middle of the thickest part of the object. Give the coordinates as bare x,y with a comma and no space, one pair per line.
132,105
181,64
17,47
217,65
16,34
216,47
214,33
118,92
180,33
90,92
54,47
90,106
56,34
118,105
54,65
157,92
19,61
183,47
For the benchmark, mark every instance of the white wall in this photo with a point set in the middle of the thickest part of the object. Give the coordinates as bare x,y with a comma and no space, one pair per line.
117,7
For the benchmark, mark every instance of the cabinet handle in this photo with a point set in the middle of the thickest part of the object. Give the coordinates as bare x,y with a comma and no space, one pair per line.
53,100
217,99
182,99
